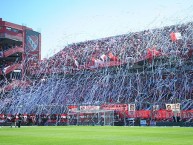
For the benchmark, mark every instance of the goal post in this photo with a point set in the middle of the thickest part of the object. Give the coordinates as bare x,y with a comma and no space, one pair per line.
91,117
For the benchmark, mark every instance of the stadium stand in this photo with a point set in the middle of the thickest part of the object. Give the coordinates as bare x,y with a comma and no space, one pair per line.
148,68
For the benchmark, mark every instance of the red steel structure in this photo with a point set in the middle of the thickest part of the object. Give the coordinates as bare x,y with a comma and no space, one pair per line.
20,47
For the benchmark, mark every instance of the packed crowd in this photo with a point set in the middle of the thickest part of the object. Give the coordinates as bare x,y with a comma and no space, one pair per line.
129,48
169,82
29,119
144,89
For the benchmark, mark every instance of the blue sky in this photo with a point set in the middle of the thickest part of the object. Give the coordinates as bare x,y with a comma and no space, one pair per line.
62,22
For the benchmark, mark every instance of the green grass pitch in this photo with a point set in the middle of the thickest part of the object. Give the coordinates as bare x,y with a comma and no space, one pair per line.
96,135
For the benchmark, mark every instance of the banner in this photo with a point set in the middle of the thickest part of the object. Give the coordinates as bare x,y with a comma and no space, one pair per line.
142,114
131,114
72,108
84,108
186,114
143,122
32,42
32,49
173,107
116,107
155,107
131,107
63,116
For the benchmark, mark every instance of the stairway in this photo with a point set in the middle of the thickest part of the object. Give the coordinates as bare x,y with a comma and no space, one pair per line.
13,50
11,68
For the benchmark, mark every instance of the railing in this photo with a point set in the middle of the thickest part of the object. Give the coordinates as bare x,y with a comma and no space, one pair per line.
12,36
10,68
13,50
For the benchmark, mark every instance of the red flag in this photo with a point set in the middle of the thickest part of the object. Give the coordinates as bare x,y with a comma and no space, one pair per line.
152,53
103,57
96,62
76,62
112,57
156,52
175,36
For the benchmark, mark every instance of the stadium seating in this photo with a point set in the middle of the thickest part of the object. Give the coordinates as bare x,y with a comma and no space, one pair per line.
151,67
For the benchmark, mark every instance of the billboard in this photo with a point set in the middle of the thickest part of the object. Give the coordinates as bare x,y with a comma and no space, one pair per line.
131,107
173,107
72,108
155,107
89,108
32,41
117,107
32,48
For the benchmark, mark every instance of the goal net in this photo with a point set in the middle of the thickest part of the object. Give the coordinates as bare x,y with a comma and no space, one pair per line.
91,117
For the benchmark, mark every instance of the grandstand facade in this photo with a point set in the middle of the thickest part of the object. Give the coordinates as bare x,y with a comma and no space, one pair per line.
19,48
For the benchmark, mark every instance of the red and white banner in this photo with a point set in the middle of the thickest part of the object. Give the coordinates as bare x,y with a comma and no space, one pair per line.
185,114
63,116
142,114
173,107
145,114
89,108
72,108
117,107
162,114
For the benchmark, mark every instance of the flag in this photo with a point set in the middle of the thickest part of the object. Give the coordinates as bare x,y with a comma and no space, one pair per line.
96,62
103,57
113,57
175,36
152,52
76,62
